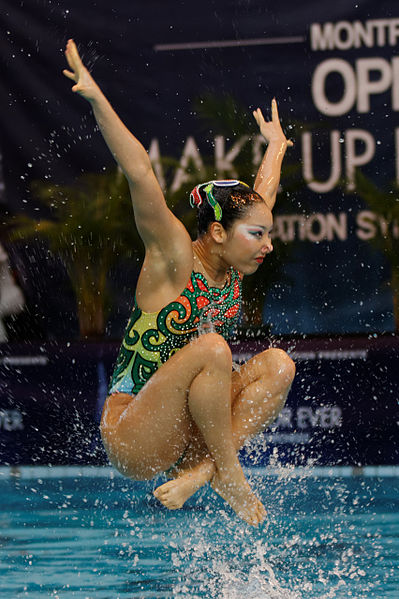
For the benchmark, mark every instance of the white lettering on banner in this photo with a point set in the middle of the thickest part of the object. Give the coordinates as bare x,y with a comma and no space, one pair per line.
367,86
371,224
331,354
288,438
357,84
352,148
367,228
2,185
190,154
306,417
315,228
342,354
324,417
352,160
397,154
335,173
303,355
326,354
328,227
345,35
224,166
24,360
11,420
284,419
344,105
351,137
395,86
224,161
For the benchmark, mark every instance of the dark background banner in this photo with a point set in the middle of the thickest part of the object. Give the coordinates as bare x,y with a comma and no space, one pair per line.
334,70
342,408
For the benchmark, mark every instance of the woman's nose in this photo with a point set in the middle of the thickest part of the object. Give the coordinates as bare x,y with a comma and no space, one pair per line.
268,247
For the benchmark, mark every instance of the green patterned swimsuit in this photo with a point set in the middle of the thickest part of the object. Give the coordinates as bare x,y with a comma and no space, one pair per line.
152,338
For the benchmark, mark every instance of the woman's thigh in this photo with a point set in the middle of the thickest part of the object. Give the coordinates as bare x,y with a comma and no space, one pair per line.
155,426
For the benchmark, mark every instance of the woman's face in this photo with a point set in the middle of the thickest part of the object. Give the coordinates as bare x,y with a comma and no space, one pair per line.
248,241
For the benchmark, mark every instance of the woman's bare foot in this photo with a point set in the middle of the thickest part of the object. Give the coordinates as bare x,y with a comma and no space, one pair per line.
175,493
239,496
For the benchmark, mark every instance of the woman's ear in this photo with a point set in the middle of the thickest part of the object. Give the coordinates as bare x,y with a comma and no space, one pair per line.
217,232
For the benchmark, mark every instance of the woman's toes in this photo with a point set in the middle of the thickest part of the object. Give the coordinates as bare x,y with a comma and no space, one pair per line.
261,513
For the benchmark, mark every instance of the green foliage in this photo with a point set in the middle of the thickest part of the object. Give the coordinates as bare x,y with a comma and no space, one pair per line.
385,204
90,226
92,218
224,116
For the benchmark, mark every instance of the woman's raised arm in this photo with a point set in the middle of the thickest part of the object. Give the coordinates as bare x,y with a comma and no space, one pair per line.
268,175
155,222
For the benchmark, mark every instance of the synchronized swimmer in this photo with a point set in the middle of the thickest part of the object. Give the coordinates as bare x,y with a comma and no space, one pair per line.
175,405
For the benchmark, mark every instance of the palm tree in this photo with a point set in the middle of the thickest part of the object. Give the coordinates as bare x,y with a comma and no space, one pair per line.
88,227
385,203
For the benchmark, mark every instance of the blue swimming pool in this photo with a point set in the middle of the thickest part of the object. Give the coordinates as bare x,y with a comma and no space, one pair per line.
90,534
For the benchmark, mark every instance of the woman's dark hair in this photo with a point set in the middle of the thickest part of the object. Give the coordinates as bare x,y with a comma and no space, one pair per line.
233,200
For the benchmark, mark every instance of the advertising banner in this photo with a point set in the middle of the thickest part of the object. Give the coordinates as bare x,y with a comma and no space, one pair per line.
334,70
342,408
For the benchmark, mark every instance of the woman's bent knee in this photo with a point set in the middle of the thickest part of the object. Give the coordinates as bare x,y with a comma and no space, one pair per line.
214,349
281,364
114,406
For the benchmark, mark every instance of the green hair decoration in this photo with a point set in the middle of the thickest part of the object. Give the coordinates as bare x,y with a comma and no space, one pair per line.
214,203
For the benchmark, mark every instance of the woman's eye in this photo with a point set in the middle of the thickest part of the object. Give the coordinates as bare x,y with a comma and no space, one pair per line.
257,233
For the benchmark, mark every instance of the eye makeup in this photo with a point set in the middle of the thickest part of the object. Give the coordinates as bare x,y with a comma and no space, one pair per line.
251,231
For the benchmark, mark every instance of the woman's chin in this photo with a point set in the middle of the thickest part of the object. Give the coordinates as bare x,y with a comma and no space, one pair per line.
249,269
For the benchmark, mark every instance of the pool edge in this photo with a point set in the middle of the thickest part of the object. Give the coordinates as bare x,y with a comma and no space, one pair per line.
31,472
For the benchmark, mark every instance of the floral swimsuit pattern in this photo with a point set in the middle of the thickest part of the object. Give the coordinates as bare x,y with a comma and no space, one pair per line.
151,338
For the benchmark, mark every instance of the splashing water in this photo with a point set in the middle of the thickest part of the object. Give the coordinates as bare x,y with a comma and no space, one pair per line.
206,324
226,571
260,584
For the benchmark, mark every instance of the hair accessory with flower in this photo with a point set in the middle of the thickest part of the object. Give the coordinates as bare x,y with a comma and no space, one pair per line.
196,198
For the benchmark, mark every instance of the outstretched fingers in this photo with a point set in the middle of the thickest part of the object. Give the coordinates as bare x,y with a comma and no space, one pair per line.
259,118
69,74
77,72
275,117
73,58
270,129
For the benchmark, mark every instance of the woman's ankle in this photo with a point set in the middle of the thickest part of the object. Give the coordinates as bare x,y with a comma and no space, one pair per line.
204,470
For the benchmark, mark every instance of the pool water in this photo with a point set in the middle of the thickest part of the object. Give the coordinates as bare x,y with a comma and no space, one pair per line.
100,536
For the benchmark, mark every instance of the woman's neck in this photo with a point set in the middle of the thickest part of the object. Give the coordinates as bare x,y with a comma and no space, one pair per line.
215,269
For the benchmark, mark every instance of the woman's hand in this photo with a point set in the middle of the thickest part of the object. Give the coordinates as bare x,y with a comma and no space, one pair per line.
271,130
268,175
84,82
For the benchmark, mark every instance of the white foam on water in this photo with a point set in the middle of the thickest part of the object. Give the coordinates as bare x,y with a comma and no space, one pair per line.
240,570
261,584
